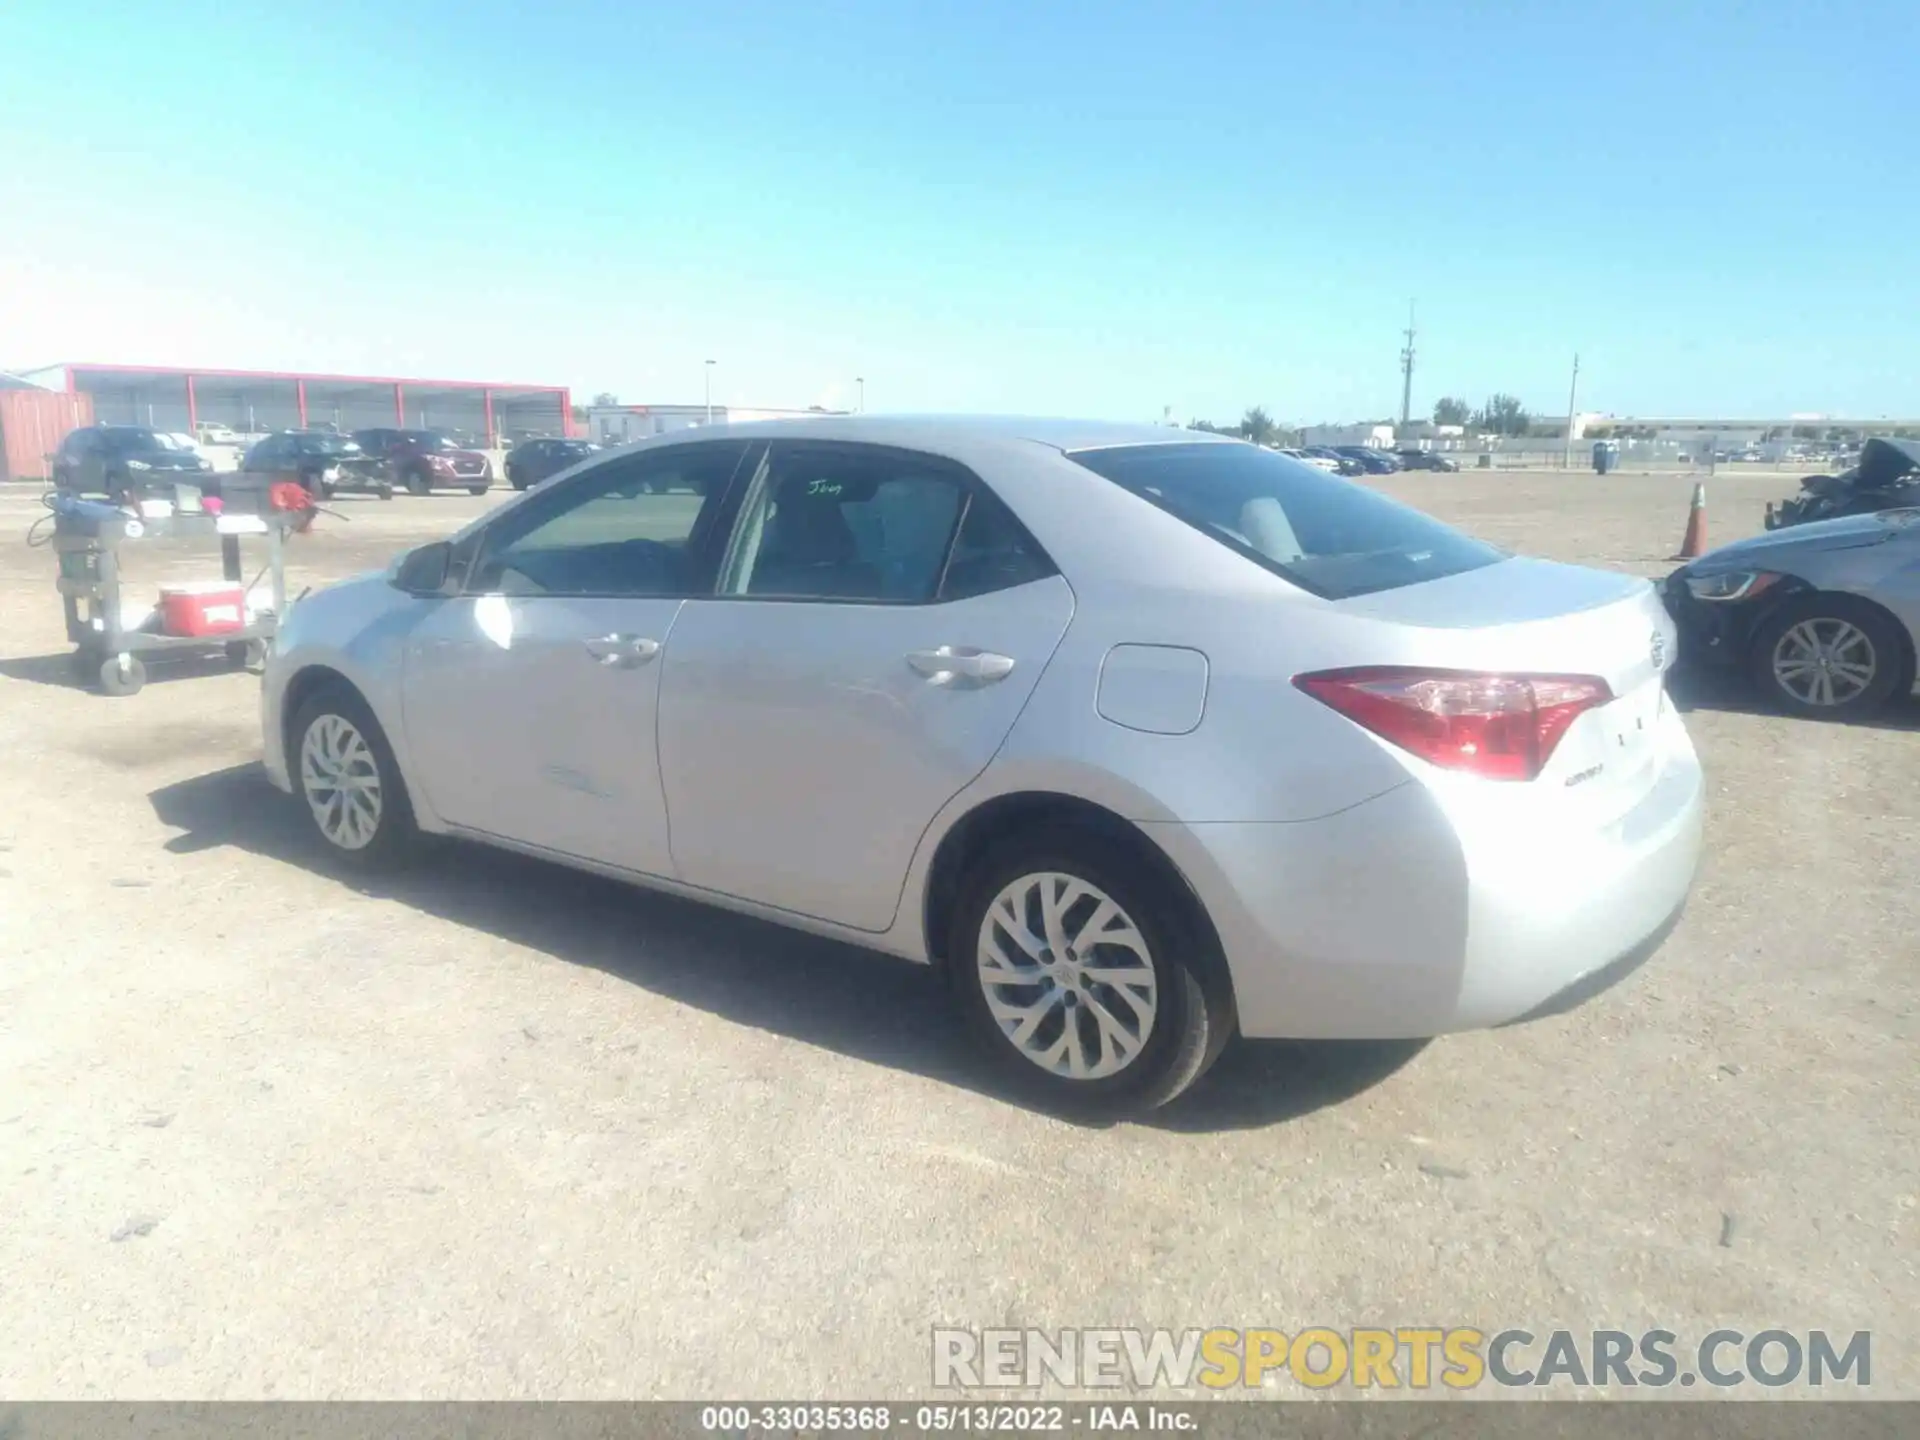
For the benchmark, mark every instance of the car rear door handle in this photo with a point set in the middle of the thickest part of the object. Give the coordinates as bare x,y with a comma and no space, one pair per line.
960,665
622,652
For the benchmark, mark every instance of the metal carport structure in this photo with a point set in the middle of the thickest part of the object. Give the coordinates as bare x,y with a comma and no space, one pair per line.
182,398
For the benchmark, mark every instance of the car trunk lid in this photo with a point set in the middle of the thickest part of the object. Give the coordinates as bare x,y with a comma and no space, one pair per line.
1540,618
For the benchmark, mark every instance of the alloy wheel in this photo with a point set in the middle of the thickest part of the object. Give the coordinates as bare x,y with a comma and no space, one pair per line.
341,780
1825,662
1067,976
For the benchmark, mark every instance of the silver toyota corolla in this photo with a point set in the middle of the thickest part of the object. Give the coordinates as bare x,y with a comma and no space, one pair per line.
1145,736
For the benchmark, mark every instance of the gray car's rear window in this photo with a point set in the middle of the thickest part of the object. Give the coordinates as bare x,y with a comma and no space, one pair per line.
1327,535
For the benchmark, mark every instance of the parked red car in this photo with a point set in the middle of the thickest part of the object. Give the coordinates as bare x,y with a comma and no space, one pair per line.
424,460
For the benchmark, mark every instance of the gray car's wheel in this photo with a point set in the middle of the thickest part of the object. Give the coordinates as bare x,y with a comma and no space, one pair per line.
1829,657
1081,975
345,774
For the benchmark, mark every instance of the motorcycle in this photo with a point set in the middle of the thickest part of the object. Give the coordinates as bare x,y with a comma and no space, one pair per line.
1887,478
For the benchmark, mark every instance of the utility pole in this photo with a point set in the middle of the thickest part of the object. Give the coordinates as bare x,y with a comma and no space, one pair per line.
1573,392
1406,374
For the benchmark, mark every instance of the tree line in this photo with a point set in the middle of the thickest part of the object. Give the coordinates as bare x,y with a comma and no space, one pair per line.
1502,415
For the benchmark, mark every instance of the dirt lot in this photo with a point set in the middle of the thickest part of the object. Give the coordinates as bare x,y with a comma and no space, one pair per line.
497,1130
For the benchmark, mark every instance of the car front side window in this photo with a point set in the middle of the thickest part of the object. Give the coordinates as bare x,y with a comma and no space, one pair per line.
636,526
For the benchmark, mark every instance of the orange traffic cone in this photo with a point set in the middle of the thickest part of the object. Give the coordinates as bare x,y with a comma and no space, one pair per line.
1694,543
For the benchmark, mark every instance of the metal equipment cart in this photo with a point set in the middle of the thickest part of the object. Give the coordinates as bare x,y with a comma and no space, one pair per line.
88,537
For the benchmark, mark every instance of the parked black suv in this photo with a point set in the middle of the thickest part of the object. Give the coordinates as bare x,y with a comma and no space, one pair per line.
320,460
126,462
534,460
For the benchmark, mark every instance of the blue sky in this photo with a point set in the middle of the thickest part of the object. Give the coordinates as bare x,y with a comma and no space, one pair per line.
1088,209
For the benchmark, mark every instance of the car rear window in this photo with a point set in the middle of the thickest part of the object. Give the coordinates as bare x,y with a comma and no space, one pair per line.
1326,535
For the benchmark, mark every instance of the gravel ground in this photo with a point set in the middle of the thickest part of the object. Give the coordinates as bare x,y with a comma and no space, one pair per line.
497,1130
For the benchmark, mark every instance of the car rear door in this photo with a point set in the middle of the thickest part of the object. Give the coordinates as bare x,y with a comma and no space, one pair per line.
529,699
880,621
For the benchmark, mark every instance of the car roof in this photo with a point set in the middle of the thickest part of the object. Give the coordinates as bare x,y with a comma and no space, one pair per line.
942,434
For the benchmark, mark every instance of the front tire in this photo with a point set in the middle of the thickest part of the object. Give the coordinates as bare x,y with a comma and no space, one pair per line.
1082,975
418,484
346,776
478,489
1829,657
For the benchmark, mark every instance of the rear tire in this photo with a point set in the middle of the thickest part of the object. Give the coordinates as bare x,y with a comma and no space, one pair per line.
1131,1010
1829,657
349,783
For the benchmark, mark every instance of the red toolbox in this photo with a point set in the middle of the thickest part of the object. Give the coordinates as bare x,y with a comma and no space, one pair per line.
207,607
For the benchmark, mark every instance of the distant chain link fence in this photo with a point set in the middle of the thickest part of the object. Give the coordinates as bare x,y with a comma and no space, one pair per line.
1640,456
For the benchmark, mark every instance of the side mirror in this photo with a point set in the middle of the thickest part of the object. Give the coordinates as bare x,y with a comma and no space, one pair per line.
424,571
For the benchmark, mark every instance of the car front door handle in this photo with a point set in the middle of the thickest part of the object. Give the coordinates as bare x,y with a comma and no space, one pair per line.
960,665
623,652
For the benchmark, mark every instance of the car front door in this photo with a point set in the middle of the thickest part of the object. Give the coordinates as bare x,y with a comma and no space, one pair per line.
529,699
879,621
70,461
268,457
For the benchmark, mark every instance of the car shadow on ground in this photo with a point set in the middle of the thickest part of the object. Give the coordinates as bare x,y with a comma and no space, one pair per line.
819,991
1702,688
62,671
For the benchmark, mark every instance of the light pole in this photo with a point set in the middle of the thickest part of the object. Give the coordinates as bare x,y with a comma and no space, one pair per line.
861,381
709,392
1573,391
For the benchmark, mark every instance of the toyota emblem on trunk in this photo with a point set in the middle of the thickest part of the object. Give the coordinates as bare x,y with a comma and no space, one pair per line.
1658,650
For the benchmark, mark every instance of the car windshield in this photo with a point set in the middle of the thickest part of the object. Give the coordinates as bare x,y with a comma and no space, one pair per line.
429,440
328,445
1324,534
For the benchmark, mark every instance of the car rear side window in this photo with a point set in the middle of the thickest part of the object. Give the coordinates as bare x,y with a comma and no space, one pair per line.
1327,535
845,523
991,552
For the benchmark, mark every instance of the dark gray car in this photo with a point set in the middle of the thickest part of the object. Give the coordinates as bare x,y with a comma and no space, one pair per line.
1824,618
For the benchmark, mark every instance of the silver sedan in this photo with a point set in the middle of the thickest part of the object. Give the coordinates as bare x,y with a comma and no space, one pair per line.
1146,737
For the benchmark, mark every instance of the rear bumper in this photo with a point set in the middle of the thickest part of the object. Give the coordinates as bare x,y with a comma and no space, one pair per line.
1401,918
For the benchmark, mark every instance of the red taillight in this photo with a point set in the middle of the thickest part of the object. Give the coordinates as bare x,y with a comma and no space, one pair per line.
1500,727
